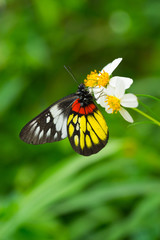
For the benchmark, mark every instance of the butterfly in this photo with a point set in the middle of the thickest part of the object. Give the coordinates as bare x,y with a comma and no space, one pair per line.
76,117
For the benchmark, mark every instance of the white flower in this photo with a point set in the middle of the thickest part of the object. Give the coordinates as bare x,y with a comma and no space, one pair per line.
114,99
104,77
109,68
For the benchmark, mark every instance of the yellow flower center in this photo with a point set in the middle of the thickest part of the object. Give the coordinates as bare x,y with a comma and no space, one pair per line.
113,103
91,80
94,79
103,79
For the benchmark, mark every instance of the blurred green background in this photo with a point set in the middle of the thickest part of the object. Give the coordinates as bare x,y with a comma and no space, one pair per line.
50,192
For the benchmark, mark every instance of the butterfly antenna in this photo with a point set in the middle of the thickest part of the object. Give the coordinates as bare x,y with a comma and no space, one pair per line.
71,73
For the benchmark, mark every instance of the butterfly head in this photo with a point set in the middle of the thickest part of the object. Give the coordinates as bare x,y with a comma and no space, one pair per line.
84,95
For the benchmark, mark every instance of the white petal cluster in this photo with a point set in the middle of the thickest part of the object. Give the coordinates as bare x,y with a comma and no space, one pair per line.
116,88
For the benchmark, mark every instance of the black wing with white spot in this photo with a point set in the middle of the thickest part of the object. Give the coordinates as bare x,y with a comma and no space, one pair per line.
50,125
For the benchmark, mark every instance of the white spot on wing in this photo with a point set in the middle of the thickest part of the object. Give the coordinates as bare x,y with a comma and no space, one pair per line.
55,120
41,134
55,136
48,119
33,126
64,129
33,122
77,127
48,132
59,122
55,111
37,131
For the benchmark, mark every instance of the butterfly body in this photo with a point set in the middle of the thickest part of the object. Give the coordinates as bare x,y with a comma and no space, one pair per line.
76,117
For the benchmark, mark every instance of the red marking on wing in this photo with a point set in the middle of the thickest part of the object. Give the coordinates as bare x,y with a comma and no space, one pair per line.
76,107
91,107
82,111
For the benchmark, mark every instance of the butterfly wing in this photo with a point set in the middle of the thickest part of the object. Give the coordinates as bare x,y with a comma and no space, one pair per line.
87,129
50,125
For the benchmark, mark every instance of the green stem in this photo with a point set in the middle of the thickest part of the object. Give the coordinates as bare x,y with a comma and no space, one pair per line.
149,96
149,110
147,116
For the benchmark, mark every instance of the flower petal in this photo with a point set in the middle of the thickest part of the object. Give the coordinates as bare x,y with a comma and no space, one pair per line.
90,90
127,81
129,100
125,114
119,89
102,101
109,90
109,68
98,91
109,110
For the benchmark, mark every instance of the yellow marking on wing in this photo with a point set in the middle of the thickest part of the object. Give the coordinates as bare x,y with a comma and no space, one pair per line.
94,137
101,133
70,118
101,120
88,141
81,139
83,123
76,140
89,127
71,130
75,119
92,134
